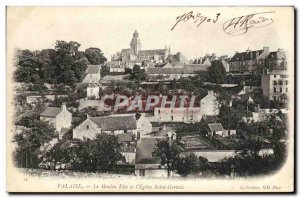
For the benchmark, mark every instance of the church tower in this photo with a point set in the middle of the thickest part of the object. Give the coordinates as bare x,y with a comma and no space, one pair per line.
135,44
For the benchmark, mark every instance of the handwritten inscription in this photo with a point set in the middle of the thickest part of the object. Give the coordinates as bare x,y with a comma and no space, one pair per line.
196,18
241,25
233,27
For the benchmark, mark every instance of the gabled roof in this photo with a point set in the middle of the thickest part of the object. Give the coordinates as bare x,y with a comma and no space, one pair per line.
249,55
51,112
93,69
113,123
216,127
145,151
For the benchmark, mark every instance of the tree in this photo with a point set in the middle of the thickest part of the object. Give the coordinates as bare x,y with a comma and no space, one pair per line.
95,56
191,165
138,74
169,154
216,72
98,155
27,65
35,133
63,64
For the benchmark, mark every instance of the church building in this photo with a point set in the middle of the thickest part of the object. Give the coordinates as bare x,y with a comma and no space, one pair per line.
135,54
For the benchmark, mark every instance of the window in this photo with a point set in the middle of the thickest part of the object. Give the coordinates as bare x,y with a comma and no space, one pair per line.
274,82
142,172
280,90
274,89
274,97
87,127
172,117
280,82
286,82
286,89
274,76
159,111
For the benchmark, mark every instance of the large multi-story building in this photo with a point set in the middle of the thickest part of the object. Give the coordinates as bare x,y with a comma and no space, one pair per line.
208,106
275,85
249,61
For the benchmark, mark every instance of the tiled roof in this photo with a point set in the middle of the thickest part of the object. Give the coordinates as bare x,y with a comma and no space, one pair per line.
93,69
187,69
249,55
195,68
113,123
145,151
51,112
124,137
152,52
158,70
216,127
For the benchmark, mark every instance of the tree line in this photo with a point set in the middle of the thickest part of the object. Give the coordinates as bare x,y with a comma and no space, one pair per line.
63,64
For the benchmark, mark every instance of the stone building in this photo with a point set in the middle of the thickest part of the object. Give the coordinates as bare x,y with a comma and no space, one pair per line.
249,61
208,106
275,85
113,125
60,118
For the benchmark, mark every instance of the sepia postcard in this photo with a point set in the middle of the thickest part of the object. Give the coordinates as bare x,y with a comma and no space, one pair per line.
150,99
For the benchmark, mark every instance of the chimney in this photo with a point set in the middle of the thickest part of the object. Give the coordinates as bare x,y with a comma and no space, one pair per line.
266,50
63,106
87,116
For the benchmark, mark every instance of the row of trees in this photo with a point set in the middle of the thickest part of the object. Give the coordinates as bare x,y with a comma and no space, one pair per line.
63,64
101,154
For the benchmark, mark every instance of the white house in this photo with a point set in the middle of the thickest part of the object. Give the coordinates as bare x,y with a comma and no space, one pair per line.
275,84
60,118
217,129
92,91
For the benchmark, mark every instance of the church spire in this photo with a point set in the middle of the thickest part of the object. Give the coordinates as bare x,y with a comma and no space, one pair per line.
135,44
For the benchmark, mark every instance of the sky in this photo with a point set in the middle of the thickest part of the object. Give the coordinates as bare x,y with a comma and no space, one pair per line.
111,29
